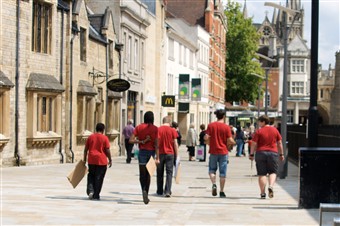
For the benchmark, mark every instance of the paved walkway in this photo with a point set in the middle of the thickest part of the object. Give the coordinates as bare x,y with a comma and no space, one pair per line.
42,195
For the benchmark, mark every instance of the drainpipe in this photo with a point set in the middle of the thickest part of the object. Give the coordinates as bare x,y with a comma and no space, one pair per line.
71,95
17,75
107,79
61,75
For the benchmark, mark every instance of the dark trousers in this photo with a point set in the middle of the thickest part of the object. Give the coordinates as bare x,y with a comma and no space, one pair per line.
128,147
95,179
168,162
191,150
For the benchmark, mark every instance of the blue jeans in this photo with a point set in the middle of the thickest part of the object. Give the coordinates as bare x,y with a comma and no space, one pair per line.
219,161
239,148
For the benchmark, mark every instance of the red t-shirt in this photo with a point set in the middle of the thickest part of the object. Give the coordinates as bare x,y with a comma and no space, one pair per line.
219,134
96,145
166,137
143,130
267,138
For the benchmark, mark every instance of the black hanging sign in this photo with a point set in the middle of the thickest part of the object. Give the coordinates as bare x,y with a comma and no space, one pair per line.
118,85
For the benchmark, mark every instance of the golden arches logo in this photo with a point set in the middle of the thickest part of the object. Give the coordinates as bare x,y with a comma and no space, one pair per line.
169,101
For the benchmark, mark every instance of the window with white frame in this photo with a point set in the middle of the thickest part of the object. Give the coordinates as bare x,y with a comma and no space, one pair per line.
297,87
82,37
129,53
290,116
4,115
297,66
191,59
170,90
136,56
171,49
180,54
41,27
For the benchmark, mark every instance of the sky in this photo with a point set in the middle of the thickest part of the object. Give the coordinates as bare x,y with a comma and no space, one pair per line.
329,24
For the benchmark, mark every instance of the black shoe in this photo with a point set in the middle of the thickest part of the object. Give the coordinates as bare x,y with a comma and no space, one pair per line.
167,195
222,194
214,190
263,196
145,197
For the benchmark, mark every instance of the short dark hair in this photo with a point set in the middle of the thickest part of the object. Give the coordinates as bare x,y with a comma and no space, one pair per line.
174,125
264,118
148,117
202,127
100,127
220,113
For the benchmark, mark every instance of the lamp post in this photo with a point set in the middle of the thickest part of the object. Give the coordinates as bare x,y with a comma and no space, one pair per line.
267,72
284,85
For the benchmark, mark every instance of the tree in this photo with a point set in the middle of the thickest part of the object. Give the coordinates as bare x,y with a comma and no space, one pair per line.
241,58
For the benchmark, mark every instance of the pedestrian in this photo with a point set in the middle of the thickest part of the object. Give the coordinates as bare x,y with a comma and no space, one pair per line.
127,132
239,141
202,142
179,135
97,153
231,146
146,136
266,145
168,150
191,141
218,134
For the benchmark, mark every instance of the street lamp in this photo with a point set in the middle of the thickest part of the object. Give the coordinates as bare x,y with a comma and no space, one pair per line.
284,85
267,72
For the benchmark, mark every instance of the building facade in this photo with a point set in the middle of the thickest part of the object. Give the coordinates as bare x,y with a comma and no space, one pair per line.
54,58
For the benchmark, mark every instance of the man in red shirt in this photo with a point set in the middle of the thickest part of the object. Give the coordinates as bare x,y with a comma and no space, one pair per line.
218,135
168,149
97,151
267,143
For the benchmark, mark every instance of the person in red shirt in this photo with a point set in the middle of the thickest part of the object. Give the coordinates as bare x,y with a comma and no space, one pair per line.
146,136
267,144
218,135
97,151
168,150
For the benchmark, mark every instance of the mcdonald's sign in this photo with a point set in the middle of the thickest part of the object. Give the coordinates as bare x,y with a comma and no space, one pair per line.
168,101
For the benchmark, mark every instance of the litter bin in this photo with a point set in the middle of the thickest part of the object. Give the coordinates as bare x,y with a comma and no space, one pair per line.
319,176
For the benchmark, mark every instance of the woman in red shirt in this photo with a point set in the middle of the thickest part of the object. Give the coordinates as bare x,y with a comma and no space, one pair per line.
145,135
267,143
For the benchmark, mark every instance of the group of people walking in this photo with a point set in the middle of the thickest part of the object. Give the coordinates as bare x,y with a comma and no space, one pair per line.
161,143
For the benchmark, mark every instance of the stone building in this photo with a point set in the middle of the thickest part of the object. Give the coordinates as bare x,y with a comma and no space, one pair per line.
271,44
210,16
54,56
325,89
335,96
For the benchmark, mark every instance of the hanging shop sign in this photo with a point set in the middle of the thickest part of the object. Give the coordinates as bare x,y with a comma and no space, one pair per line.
118,85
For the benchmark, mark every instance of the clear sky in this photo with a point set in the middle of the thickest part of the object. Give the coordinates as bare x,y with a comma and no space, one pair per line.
329,24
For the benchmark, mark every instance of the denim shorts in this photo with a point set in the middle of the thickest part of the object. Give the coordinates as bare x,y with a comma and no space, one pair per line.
267,162
144,156
219,161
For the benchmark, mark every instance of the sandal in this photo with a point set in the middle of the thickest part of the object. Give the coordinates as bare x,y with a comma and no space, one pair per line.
263,196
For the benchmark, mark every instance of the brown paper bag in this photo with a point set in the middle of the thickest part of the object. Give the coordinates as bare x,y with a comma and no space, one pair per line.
151,166
77,173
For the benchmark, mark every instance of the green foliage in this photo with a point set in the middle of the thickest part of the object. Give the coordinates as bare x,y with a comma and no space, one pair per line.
241,60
